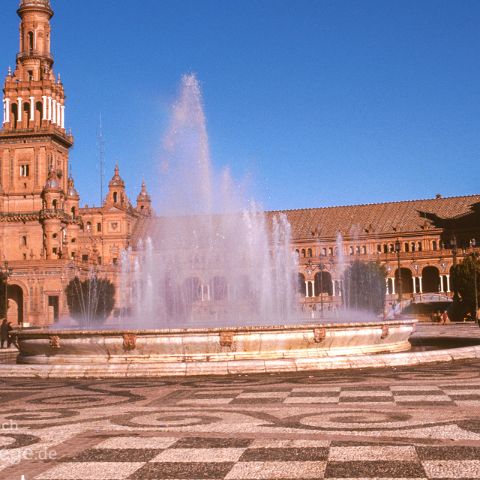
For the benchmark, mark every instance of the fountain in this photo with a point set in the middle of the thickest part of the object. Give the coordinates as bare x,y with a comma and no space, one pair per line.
212,285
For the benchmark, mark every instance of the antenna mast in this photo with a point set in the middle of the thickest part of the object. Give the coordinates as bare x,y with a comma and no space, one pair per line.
101,157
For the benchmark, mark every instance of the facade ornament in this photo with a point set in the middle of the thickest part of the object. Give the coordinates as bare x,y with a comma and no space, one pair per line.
55,342
129,342
319,334
226,339
385,332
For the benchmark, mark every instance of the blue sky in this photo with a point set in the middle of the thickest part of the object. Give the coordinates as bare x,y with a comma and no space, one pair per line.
316,102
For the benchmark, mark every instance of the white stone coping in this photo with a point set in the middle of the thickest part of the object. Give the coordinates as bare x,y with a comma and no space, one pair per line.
181,369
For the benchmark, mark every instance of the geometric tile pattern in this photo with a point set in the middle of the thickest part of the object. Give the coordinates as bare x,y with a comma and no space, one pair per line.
419,422
243,459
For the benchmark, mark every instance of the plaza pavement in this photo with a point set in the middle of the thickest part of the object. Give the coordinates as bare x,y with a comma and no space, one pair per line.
419,422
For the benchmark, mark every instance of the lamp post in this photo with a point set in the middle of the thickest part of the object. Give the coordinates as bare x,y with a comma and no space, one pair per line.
400,289
6,274
473,244
453,244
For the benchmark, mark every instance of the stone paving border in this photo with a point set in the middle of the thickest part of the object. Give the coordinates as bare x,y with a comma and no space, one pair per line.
181,369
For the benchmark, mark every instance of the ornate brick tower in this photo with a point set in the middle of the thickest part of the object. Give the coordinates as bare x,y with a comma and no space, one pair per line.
33,139
144,202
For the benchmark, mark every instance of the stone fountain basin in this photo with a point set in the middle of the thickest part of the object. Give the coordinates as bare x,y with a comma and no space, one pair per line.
57,347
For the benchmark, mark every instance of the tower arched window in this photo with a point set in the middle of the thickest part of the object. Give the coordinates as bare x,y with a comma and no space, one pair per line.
54,204
31,40
115,197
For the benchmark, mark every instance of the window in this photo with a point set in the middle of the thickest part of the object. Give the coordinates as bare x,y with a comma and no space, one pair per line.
115,197
434,245
330,251
115,261
309,252
99,227
31,42
89,226
364,250
24,170
84,258
24,241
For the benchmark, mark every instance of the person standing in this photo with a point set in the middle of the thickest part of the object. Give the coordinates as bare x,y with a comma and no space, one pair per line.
445,318
4,333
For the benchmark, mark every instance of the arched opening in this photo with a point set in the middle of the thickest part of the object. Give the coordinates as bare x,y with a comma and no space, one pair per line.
38,113
74,211
303,253
301,287
115,197
15,304
430,280
14,115
309,252
407,281
54,204
192,288
323,283
31,40
26,115
219,287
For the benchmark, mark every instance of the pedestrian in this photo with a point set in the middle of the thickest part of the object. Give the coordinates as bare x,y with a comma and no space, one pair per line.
4,333
445,318
10,337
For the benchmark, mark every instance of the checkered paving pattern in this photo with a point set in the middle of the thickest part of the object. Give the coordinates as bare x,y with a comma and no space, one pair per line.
419,422
402,395
136,458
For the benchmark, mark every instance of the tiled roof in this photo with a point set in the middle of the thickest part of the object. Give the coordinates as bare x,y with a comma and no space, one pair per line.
378,219
357,221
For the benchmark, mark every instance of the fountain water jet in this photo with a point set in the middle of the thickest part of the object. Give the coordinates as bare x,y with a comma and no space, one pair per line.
212,287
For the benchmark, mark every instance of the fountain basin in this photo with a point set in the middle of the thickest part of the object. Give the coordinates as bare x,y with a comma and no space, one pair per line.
212,345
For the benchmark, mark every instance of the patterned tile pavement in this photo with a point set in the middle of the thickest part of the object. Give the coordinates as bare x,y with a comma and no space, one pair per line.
418,422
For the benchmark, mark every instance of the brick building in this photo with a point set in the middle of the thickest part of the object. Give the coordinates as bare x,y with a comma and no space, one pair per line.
46,238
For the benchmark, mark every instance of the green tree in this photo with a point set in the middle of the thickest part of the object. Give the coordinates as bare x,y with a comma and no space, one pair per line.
463,283
90,301
364,286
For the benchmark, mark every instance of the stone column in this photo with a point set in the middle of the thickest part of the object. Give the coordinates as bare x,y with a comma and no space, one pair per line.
54,111
420,284
62,122
448,283
7,110
49,118
414,285
32,109
44,107
20,109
